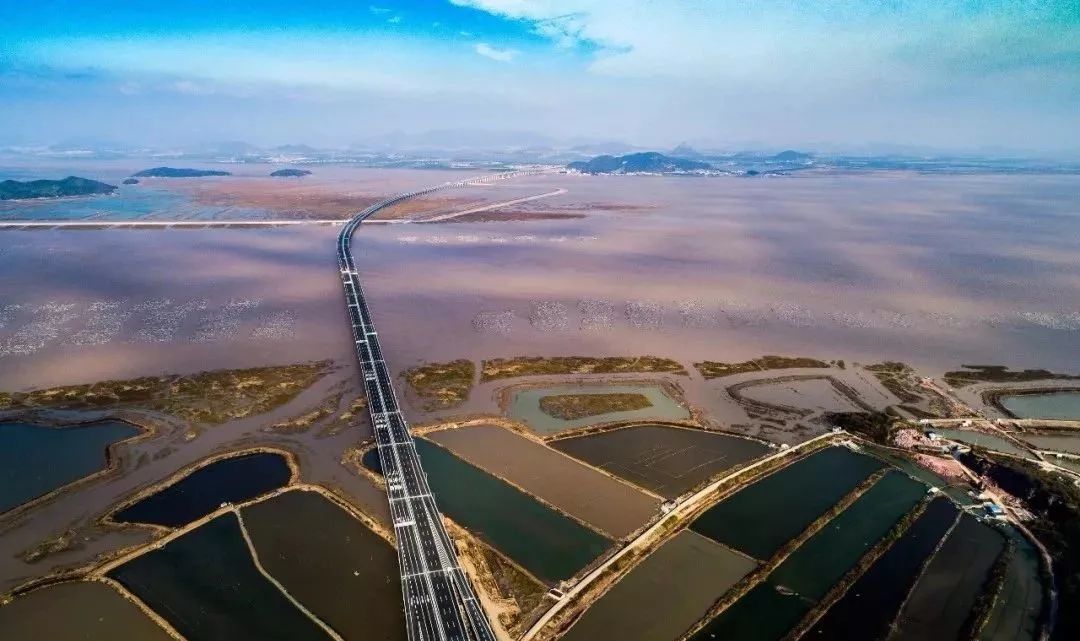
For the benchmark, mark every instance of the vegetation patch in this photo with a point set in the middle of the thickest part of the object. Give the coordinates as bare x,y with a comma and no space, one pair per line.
972,374
499,368
877,426
715,369
442,385
209,398
569,407
898,378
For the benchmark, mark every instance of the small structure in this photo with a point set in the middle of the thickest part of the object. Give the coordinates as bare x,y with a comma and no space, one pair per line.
994,510
933,436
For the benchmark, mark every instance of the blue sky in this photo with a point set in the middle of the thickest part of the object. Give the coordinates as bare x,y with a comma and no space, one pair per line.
954,74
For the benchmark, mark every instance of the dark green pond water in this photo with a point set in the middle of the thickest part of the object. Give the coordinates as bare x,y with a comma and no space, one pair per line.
546,543
766,515
35,460
231,480
762,614
865,612
206,585
1064,405
340,570
823,559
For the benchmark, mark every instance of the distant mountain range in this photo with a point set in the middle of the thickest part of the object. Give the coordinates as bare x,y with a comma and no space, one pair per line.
651,162
70,186
172,172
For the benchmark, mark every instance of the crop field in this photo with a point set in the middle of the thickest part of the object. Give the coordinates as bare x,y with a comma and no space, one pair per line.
666,460
593,497
868,608
759,519
549,545
681,581
229,480
92,611
207,587
946,592
330,562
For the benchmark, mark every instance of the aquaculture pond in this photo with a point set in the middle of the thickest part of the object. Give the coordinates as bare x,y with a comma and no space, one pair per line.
1061,405
1069,443
867,609
762,614
946,592
1015,616
988,441
546,543
328,560
35,459
230,480
760,518
206,585
826,556
370,459
77,611
680,581
666,460
525,406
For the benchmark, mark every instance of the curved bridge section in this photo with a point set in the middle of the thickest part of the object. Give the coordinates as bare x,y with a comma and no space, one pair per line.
440,603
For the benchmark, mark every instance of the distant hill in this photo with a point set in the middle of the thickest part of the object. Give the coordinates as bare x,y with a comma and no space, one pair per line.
652,162
70,186
172,172
790,155
288,173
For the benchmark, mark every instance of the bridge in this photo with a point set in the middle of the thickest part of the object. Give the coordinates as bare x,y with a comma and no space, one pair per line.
440,603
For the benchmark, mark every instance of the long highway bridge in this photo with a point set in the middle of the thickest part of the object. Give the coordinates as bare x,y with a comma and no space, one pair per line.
440,603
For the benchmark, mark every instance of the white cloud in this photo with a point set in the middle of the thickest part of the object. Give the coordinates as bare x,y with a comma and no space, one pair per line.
495,53
394,20
378,10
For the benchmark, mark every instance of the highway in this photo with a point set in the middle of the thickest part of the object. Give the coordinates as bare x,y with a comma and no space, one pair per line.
440,603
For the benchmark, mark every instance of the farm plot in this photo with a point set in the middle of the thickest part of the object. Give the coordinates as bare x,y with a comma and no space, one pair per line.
759,519
593,497
666,460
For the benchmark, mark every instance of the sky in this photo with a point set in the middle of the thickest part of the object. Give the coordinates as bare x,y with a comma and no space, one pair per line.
964,75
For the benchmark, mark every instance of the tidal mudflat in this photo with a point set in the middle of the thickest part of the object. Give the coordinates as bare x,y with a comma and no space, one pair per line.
760,518
525,406
611,506
856,265
206,585
945,593
868,608
664,595
807,394
328,560
229,480
1063,405
37,459
77,611
549,545
666,460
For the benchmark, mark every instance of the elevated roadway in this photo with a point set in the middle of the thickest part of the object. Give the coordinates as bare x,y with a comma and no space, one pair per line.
440,603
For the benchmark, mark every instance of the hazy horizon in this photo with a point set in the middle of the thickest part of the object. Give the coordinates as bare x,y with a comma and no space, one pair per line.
974,76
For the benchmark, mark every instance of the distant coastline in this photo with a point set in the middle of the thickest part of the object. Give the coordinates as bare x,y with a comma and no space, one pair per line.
70,186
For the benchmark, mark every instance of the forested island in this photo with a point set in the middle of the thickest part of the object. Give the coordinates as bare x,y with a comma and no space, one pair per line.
70,186
173,172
